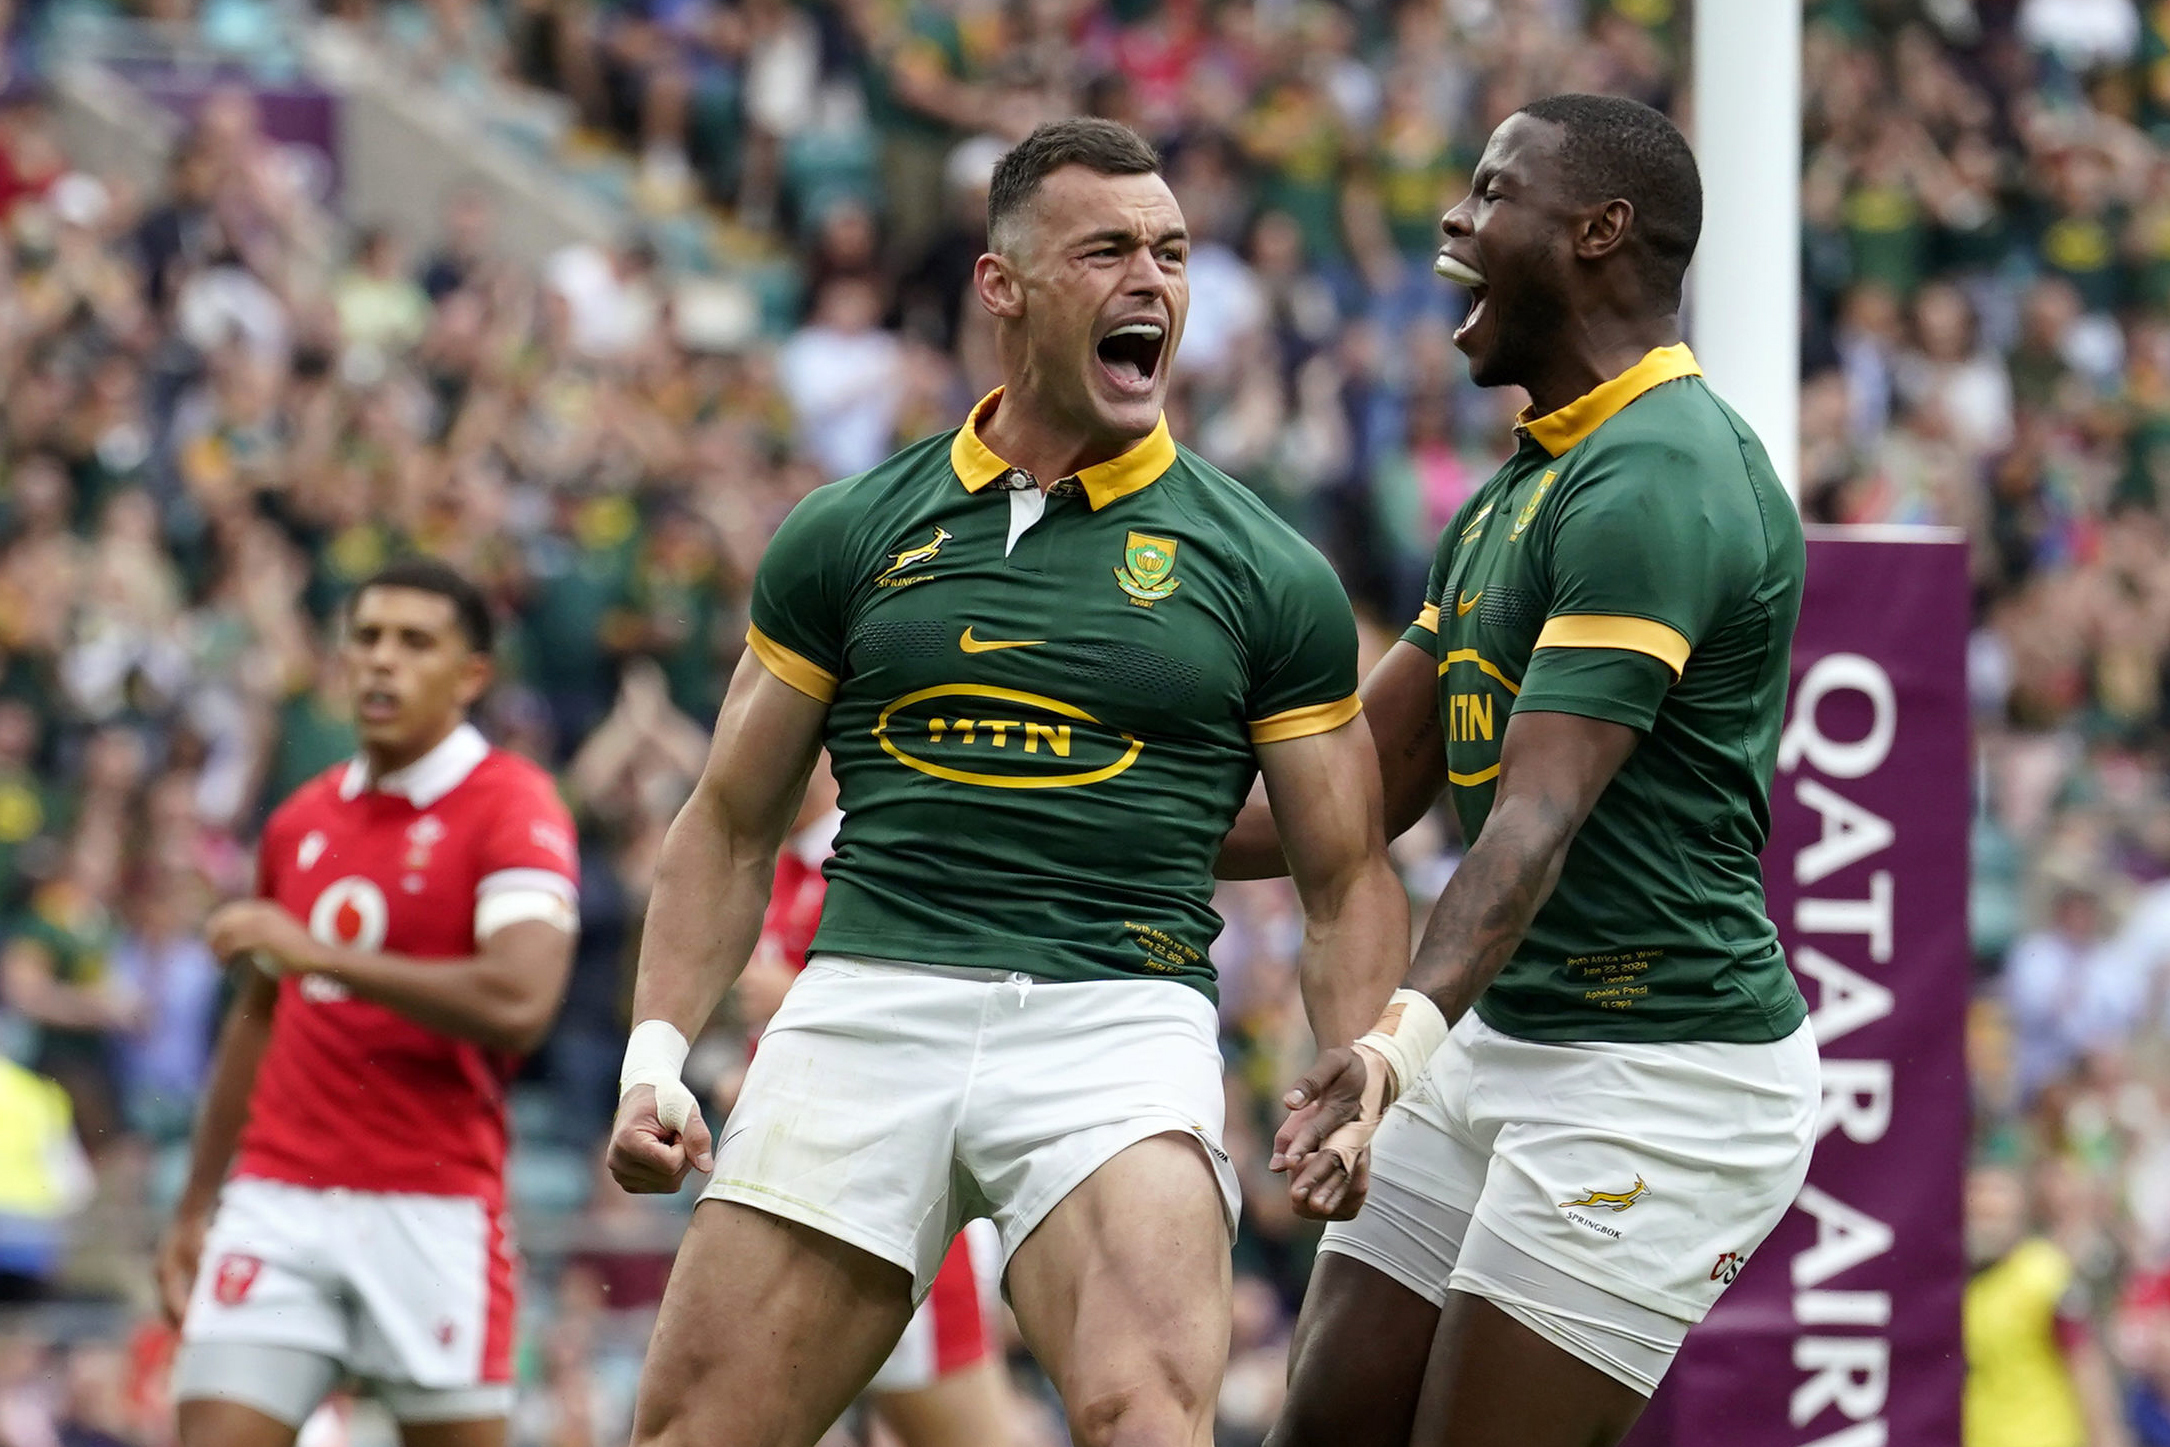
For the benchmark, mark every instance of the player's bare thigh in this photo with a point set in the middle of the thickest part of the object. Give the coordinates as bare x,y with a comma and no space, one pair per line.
1492,1382
768,1329
1357,1364
1122,1293
210,1422
967,1408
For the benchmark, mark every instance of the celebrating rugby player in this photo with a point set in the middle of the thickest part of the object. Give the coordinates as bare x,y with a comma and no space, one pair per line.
1048,653
1626,1102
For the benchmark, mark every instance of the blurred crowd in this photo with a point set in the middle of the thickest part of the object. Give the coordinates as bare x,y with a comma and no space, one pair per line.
220,406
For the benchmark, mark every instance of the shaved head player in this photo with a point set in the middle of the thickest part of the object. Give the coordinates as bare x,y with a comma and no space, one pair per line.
1048,653
1626,1102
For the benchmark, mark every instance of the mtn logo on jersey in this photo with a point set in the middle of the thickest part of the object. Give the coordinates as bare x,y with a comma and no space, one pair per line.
1147,563
911,558
1002,738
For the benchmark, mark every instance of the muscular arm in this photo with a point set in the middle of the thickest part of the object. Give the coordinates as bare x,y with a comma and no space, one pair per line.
503,996
713,879
1401,707
1552,768
1324,789
224,1111
719,860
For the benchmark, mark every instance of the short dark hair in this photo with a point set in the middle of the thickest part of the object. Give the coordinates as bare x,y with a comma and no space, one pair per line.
427,575
1615,148
1105,147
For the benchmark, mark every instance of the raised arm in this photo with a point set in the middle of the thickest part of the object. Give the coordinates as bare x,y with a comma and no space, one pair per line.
1324,789
712,886
1401,704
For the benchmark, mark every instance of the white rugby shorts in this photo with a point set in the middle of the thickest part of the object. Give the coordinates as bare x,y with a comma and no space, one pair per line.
890,1103
413,1294
1609,1192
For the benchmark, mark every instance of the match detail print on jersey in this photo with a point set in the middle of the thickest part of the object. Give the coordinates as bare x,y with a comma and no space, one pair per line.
1650,578
1039,745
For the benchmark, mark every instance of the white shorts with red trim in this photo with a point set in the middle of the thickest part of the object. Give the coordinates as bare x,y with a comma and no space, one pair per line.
954,1328
411,1293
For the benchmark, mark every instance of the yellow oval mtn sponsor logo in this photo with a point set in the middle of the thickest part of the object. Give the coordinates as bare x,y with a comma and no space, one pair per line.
1002,738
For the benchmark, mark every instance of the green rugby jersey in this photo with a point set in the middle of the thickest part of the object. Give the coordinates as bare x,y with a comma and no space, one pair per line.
1636,560
1043,708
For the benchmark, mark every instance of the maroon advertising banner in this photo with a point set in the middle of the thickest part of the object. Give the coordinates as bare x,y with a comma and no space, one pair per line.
1843,1330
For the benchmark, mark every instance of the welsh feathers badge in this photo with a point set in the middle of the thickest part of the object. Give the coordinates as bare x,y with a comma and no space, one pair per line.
1148,566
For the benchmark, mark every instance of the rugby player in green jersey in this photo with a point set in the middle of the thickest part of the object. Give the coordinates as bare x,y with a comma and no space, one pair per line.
1048,653
1626,1102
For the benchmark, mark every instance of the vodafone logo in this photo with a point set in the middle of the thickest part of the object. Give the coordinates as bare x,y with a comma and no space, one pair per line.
351,912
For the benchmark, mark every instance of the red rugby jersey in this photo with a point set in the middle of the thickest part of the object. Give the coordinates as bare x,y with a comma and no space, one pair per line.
350,1093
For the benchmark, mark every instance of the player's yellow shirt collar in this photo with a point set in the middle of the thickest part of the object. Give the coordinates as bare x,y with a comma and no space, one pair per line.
1557,431
977,465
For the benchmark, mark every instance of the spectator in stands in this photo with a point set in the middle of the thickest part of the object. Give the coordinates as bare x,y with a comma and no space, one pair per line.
162,962
56,972
2036,1375
844,378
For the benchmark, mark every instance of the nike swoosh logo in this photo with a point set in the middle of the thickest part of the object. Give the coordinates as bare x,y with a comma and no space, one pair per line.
988,645
1463,605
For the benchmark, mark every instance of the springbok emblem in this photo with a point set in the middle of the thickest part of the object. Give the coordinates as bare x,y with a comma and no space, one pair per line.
1611,1200
912,557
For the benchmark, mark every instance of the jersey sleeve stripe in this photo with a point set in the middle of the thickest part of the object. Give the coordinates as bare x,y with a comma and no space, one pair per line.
548,880
1428,620
1605,630
1297,723
807,677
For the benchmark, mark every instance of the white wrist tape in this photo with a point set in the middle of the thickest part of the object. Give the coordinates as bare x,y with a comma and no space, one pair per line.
1409,1032
654,1056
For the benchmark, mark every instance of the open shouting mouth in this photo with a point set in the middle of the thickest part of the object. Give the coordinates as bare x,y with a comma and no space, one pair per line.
1130,354
1461,273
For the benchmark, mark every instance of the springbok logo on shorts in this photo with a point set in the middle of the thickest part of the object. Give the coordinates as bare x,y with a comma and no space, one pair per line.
1609,1200
234,1276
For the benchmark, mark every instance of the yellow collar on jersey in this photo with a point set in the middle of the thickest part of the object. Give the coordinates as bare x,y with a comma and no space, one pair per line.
977,465
1557,431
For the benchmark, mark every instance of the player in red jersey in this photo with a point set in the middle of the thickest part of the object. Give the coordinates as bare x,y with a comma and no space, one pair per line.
411,940
943,1384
